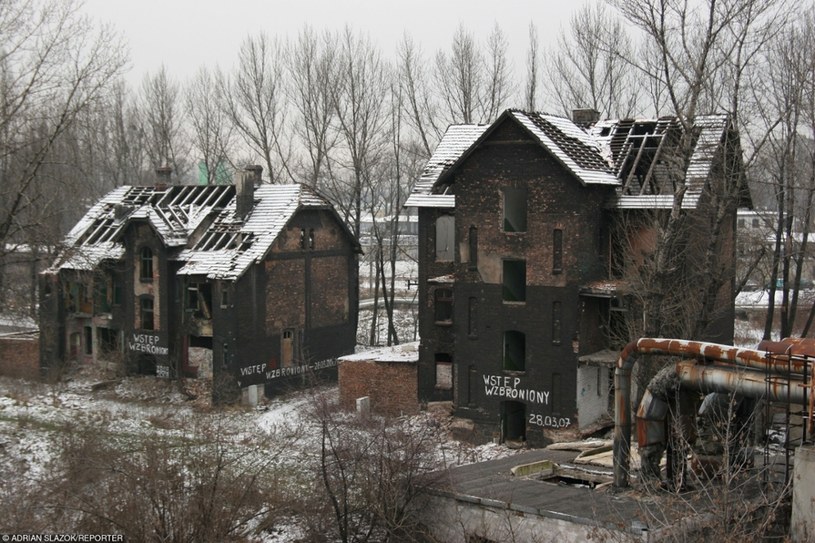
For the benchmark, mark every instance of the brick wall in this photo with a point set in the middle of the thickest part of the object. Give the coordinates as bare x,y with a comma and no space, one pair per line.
20,357
391,386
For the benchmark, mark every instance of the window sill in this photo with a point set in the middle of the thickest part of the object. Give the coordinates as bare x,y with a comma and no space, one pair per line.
443,323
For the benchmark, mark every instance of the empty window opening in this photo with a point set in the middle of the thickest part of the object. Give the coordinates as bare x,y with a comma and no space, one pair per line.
443,305
224,297
755,223
445,238
311,238
199,300
302,238
514,351
557,328
514,209
146,267
147,322
473,244
88,340
557,251
108,340
513,421
444,371
514,281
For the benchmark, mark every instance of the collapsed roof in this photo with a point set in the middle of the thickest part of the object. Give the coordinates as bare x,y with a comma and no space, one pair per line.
630,155
199,221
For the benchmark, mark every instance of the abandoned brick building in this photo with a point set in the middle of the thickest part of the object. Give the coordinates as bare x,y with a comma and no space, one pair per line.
251,285
519,296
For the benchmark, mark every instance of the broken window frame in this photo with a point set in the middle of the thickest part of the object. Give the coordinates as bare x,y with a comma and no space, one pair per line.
147,318
146,264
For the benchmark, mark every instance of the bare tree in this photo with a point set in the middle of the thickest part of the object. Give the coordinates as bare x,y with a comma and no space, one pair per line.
162,120
313,70
360,99
419,107
255,101
212,130
785,106
532,61
54,65
590,67
690,43
473,86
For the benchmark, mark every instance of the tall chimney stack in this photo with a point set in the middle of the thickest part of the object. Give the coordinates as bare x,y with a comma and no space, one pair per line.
585,117
163,174
245,190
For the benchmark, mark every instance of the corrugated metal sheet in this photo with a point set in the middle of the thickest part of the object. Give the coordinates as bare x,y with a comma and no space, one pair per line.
431,200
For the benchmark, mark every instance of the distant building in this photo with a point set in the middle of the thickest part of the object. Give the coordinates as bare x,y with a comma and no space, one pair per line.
249,285
521,300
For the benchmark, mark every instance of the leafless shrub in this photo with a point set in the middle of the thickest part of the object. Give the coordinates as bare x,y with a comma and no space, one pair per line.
366,478
206,484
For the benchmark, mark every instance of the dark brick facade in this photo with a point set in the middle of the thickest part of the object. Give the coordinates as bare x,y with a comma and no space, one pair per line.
280,322
529,236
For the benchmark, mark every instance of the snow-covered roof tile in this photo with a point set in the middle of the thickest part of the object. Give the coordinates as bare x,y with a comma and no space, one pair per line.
455,142
227,247
571,145
231,245
627,154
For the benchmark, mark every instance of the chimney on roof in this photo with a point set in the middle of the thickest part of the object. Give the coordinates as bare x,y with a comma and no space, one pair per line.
245,190
585,117
163,174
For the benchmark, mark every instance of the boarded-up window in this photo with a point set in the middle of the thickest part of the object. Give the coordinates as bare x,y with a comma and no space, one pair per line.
445,238
444,371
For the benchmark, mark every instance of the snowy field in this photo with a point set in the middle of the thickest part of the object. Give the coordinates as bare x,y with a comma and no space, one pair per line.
43,426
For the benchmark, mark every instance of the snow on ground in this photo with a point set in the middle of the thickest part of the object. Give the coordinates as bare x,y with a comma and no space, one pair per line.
761,298
34,416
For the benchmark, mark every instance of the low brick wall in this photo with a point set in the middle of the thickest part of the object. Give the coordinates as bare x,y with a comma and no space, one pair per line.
391,386
20,356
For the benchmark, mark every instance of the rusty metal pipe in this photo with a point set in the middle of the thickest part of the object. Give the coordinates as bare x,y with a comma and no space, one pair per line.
752,384
750,358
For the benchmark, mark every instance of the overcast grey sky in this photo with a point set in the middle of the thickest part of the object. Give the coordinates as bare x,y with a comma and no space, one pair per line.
185,34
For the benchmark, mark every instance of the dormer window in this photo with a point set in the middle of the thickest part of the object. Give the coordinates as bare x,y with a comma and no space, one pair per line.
146,267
